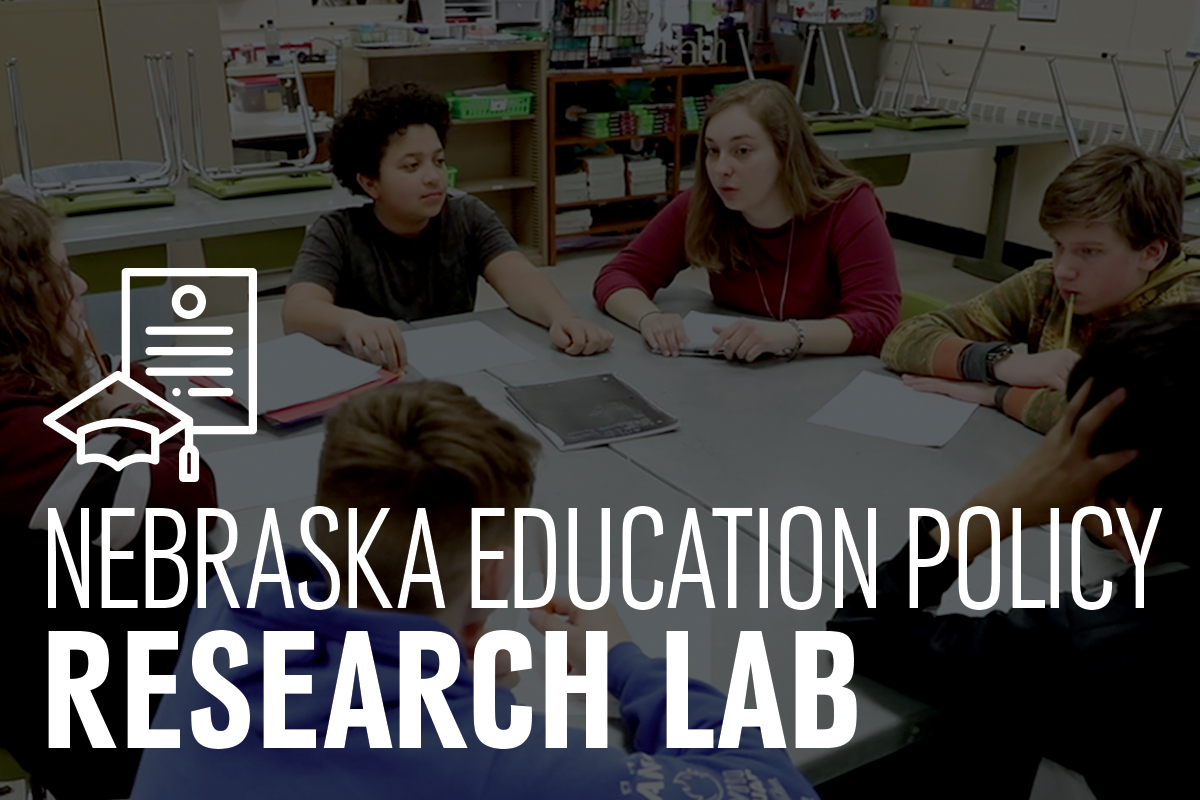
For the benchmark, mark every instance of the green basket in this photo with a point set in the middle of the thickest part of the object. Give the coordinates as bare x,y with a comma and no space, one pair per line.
451,176
490,106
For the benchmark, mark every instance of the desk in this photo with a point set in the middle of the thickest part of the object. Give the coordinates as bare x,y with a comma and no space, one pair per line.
774,459
710,463
1005,138
197,215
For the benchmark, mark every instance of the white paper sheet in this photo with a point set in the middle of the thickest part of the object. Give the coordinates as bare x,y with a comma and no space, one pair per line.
266,474
460,348
699,328
297,369
881,406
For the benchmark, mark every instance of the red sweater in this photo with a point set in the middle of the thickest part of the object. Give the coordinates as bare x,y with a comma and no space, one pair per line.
842,266
38,470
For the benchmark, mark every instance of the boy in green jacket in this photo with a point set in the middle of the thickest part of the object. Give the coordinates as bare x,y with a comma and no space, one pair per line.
1116,218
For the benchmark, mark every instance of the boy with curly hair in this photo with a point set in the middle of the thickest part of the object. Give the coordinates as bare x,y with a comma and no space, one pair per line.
419,249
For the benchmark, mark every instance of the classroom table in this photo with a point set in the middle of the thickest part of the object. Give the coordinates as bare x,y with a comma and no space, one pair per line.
197,215
1004,137
598,478
744,440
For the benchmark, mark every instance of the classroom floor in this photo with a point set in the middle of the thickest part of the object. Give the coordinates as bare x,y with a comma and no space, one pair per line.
921,269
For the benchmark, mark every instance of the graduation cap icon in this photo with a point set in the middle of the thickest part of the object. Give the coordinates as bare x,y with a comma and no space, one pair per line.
189,469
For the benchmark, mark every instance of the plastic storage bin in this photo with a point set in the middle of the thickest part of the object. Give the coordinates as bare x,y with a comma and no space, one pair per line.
263,93
490,106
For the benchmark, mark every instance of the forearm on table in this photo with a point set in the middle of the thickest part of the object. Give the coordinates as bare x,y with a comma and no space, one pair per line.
629,306
539,300
826,336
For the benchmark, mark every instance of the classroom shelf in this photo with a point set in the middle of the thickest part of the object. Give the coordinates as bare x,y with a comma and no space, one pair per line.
671,85
588,140
608,200
505,184
622,226
523,118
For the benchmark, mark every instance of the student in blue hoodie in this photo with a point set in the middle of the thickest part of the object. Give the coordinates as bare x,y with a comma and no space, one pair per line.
422,446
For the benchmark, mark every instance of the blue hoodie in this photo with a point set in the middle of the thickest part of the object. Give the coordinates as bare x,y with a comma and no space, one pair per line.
529,771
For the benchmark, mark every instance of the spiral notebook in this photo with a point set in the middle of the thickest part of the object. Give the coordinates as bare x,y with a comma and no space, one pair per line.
591,411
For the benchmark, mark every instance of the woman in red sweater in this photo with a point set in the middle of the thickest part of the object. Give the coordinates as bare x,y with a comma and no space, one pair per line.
785,231
45,362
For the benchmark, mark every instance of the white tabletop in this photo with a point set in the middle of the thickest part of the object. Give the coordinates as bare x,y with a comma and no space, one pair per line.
744,439
197,215
743,442
893,142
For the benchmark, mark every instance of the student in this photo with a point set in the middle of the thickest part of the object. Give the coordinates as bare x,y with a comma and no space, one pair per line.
785,231
418,249
45,363
1116,218
428,445
1102,691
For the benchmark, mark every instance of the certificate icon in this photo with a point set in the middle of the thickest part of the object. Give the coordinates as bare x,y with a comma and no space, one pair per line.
224,371
228,372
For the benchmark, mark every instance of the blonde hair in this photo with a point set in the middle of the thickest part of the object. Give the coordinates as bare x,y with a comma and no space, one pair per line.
718,238
1139,194
35,301
421,445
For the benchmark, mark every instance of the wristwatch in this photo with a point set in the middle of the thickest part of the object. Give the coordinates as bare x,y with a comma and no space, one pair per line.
994,357
792,352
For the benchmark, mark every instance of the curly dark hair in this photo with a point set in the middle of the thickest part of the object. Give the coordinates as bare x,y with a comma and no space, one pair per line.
1150,354
360,136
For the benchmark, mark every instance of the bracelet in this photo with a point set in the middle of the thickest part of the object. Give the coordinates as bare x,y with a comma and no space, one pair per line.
1001,392
643,317
791,352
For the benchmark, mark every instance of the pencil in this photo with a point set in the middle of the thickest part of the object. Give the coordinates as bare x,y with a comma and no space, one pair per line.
1067,326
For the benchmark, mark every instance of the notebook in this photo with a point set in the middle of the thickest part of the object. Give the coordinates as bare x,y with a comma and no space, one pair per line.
591,411
301,379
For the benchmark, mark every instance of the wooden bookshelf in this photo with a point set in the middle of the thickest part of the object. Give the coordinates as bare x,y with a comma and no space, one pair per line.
670,84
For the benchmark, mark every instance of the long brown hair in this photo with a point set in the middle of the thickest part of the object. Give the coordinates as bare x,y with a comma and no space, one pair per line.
717,237
35,300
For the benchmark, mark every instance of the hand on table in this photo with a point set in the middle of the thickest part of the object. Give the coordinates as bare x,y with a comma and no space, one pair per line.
377,340
577,337
746,340
1051,368
663,332
967,391
577,623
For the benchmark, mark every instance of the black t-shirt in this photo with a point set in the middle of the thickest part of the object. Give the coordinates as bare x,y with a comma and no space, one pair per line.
370,269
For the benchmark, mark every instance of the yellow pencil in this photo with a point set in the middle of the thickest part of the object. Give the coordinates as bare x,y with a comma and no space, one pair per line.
1067,326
